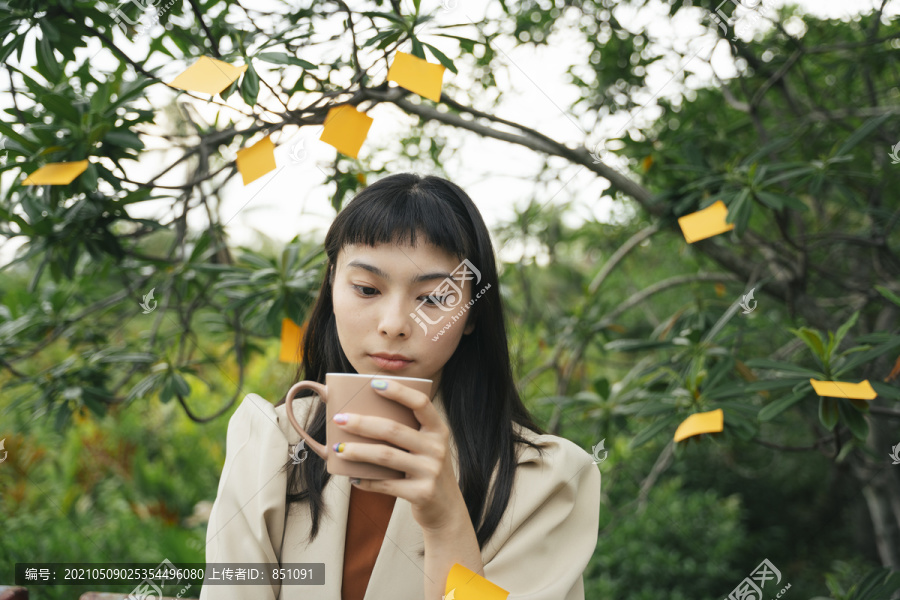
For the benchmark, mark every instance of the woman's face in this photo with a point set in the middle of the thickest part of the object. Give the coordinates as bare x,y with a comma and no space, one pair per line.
377,299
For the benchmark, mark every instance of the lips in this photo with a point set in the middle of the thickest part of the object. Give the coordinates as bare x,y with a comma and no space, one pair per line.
392,356
391,362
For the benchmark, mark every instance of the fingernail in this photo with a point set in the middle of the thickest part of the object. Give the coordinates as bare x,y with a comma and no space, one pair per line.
355,480
338,447
379,384
341,418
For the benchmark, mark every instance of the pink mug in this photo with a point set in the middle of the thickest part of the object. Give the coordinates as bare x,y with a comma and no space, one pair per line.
352,392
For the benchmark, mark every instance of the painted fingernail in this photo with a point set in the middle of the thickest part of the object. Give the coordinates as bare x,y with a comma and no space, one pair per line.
355,481
341,418
339,447
379,384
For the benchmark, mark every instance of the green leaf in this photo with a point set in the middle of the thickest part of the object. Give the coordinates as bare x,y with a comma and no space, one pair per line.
860,134
389,40
282,58
379,36
47,60
49,30
123,138
774,365
736,205
384,15
180,385
885,390
636,345
61,107
250,86
417,49
878,584
229,90
770,200
865,357
813,339
650,432
442,58
465,43
854,419
842,331
828,412
144,386
777,407
11,133
888,294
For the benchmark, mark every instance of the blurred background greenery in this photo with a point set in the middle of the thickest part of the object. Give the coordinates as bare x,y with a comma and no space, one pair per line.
114,420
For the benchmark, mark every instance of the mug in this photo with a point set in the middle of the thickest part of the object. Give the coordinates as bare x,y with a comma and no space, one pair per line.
352,392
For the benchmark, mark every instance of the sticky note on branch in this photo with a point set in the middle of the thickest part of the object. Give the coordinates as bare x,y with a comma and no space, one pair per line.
464,584
257,160
704,422
417,75
843,389
291,337
705,223
61,173
346,129
207,76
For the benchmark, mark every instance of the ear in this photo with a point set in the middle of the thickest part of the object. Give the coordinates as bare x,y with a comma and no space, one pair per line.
470,327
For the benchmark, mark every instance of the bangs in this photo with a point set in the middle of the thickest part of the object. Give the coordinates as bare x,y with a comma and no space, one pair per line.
401,209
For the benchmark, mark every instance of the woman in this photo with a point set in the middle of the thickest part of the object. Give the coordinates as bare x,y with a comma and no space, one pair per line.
485,487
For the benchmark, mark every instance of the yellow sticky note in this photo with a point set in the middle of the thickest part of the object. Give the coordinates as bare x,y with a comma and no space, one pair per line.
257,160
417,75
463,584
705,223
62,173
842,389
207,76
291,336
346,129
705,422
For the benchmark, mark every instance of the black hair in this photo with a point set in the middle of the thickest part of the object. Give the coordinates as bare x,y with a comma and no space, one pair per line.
477,386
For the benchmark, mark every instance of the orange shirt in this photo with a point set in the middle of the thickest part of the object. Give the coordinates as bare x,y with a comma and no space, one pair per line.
367,520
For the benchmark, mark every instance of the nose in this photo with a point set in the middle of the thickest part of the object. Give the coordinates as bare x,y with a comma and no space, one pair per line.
394,319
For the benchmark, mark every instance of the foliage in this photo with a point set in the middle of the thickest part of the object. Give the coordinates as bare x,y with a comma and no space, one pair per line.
625,334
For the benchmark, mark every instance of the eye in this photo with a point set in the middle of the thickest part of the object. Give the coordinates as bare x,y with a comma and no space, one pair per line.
434,300
360,288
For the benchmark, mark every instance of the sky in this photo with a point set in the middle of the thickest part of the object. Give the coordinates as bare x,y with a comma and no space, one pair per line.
498,176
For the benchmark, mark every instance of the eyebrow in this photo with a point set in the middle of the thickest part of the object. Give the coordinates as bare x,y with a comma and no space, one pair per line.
383,275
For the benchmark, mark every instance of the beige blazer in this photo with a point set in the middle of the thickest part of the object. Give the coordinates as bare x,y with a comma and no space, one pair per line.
538,552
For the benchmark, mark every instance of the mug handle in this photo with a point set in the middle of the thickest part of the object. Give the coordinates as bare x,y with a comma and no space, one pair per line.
321,391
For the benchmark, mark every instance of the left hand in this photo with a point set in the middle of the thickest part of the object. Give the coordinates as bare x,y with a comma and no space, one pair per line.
430,484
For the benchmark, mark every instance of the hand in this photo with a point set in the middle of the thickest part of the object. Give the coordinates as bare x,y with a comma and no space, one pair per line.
430,484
